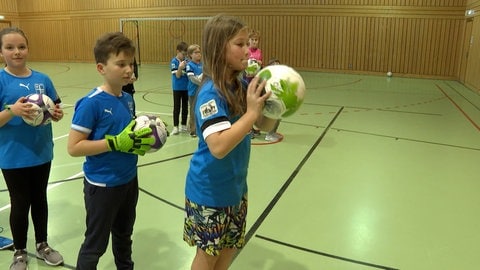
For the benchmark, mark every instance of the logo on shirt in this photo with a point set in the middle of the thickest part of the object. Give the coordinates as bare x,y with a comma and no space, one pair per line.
208,109
39,88
25,85
108,111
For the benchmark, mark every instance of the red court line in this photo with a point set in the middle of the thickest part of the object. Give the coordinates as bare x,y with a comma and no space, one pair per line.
460,109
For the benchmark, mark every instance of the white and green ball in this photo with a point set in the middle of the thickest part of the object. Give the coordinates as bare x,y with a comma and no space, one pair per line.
252,67
288,91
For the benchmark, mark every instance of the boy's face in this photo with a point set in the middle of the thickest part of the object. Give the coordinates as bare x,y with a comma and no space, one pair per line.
196,55
181,55
118,70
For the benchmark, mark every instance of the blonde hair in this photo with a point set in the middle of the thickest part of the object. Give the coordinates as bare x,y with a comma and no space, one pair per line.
192,48
254,34
218,31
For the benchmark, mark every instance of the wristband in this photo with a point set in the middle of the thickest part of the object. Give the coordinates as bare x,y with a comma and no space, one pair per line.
7,107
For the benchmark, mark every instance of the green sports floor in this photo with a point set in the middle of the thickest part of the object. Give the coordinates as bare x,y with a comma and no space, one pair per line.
372,173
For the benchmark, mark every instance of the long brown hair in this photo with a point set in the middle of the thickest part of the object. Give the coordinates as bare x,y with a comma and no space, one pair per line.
218,31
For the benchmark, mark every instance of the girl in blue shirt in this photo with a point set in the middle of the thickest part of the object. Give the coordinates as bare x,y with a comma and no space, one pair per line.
225,111
26,152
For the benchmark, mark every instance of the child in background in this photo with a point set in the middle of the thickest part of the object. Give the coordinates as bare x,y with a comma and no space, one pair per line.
25,174
110,168
225,111
272,135
254,53
129,87
180,86
194,73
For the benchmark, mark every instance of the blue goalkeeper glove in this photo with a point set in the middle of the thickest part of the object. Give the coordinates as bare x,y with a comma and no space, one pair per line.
129,141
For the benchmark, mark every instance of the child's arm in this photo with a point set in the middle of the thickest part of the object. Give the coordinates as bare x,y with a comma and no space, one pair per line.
197,80
79,145
221,143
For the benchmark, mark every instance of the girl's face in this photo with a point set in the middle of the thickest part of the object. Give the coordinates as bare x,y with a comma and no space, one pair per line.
237,51
14,50
253,42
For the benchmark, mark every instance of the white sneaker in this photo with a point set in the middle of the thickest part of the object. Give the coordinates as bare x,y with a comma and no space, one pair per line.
273,137
175,131
183,129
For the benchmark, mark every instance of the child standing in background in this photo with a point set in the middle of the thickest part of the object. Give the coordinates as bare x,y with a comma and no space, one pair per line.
272,135
180,88
254,53
129,87
110,183
194,73
25,174
225,111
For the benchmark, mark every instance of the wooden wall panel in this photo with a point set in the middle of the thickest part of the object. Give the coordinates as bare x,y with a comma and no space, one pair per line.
409,37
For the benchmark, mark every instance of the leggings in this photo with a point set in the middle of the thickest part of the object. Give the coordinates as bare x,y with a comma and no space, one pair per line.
180,99
28,191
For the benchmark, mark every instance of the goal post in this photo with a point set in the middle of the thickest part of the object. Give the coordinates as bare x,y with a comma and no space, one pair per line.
157,37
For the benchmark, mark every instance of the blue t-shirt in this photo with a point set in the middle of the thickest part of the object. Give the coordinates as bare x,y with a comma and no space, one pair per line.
178,83
210,181
22,145
195,69
98,114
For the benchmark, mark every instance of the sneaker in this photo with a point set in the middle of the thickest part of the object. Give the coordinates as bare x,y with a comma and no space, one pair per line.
20,259
273,137
193,134
183,129
5,243
254,133
49,255
175,131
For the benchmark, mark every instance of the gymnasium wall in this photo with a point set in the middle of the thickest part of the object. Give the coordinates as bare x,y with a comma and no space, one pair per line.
470,58
408,37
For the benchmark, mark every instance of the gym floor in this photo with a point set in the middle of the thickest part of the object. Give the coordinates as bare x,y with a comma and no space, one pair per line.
372,173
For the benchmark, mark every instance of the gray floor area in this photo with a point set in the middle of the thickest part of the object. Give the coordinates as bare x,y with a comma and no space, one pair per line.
373,173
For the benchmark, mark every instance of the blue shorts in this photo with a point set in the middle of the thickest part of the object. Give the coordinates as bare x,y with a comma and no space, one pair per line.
213,229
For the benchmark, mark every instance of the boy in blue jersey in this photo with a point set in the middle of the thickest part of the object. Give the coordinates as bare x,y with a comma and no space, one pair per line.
225,111
110,182
194,73
180,86
26,152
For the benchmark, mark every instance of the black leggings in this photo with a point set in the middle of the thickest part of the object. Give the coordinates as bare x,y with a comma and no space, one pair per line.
180,98
28,190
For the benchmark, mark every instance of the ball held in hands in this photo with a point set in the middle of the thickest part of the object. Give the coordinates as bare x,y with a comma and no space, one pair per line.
288,91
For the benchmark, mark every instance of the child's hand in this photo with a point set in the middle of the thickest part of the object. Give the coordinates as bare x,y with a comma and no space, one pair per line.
57,113
130,141
256,96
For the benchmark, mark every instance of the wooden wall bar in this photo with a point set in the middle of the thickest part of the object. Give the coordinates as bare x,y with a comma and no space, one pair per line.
408,37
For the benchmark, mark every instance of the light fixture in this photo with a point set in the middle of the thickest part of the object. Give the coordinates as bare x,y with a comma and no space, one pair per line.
2,17
469,12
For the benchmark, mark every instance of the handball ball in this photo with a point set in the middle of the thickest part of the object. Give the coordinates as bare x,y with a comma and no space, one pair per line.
159,130
44,108
288,91
389,74
252,67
